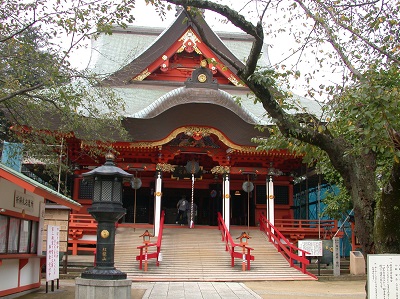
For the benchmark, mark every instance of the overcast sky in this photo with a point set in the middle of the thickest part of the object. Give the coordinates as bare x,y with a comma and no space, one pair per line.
145,15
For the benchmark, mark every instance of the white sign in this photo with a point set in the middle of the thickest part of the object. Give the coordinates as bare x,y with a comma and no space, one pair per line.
314,247
383,276
52,253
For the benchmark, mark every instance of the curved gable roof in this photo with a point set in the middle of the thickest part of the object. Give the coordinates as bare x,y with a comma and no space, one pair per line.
199,115
165,42
184,95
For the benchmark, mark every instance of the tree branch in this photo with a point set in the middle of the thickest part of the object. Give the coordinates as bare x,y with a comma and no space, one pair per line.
375,47
18,32
233,16
20,92
331,40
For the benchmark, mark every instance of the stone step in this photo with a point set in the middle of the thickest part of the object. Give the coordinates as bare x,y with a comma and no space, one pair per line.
199,254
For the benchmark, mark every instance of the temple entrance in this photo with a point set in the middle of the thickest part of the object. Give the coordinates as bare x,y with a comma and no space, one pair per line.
208,201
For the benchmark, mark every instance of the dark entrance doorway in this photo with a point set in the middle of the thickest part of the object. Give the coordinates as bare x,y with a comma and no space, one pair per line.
207,206
208,201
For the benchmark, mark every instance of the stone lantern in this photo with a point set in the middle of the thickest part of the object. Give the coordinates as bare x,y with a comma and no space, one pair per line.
107,210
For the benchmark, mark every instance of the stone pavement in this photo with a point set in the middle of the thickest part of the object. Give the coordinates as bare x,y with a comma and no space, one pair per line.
326,289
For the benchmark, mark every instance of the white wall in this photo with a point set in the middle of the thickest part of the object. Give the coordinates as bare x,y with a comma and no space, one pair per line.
7,198
9,274
30,274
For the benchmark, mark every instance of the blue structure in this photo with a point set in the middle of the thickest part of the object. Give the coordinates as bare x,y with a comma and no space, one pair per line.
309,204
12,155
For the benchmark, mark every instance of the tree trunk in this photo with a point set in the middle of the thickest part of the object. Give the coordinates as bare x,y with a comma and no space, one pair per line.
359,179
387,237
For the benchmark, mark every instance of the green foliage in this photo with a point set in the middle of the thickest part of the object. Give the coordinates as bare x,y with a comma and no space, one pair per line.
38,88
366,115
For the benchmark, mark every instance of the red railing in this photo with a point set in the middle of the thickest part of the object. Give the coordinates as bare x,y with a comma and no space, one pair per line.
300,228
294,255
142,256
230,245
81,226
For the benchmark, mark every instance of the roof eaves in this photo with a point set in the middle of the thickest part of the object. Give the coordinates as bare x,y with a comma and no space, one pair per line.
37,188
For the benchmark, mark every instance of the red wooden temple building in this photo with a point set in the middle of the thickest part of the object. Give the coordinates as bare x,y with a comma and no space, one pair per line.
188,115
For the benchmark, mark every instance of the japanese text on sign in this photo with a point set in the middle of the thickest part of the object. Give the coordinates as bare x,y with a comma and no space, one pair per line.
314,247
383,276
52,255
23,201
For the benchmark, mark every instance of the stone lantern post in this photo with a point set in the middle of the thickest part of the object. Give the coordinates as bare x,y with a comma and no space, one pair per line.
107,210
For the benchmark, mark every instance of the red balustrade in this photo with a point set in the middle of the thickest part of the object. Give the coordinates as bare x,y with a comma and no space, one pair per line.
230,245
143,255
294,255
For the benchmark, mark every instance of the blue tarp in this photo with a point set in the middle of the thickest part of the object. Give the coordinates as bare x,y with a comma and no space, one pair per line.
315,210
12,155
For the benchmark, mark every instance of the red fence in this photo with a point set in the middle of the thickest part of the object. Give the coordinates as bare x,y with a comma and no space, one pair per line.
297,229
294,255
81,226
230,245
144,256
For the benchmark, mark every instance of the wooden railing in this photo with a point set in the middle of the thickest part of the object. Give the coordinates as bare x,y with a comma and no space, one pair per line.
144,256
230,245
82,228
297,229
294,255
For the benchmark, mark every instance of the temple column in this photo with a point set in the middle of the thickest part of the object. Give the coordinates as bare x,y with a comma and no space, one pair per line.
157,203
226,199
270,200
224,171
160,169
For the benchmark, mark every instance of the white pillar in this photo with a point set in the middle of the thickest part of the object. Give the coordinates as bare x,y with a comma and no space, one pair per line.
157,203
266,198
223,197
271,199
226,200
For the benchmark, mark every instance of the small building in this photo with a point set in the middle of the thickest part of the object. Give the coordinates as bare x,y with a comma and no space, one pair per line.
22,221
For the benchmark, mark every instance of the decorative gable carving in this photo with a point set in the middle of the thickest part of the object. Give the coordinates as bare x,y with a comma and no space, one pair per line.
175,54
189,42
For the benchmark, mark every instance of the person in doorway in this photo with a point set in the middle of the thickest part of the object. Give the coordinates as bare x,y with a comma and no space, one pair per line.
182,206
189,213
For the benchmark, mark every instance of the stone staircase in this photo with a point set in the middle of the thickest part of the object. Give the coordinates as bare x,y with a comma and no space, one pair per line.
199,255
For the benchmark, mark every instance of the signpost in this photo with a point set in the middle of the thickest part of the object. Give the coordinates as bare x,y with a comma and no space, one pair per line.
336,256
314,247
383,276
52,255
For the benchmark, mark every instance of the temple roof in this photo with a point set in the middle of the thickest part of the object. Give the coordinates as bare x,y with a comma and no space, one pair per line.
36,188
131,62
137,46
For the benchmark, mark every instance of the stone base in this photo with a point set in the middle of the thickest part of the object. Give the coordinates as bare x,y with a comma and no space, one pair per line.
102,289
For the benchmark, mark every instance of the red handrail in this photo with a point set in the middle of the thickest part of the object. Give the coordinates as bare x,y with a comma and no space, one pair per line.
290,252
230,244
156,254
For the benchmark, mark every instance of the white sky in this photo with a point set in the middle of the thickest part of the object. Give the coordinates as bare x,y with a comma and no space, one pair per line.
145,15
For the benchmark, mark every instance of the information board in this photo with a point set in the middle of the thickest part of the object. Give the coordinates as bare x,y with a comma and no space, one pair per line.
314,247
52,253
383,276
